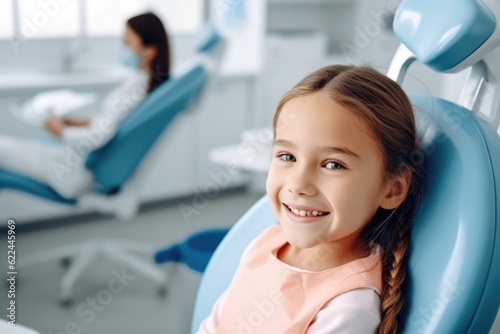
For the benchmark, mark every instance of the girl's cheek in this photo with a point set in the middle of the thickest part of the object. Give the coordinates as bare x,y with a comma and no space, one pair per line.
270,183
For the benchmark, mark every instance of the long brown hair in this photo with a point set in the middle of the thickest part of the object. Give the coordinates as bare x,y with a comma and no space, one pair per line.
385,110
152,33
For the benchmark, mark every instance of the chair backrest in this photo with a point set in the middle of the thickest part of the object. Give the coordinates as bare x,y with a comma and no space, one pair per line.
454,259
115,162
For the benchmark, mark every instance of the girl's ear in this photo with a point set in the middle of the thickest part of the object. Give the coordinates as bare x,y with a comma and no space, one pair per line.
396,190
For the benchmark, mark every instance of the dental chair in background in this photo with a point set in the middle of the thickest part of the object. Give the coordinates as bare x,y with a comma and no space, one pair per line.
120,167
454,266
115,166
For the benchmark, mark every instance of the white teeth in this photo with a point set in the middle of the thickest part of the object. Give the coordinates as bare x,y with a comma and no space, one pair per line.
306,213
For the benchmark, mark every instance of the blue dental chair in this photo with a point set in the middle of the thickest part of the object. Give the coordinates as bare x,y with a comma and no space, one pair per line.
454,267
118,168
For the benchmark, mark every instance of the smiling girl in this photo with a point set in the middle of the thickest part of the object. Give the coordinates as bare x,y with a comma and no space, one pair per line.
343,186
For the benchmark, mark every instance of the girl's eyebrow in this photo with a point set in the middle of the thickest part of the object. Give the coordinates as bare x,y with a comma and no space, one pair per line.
339,149
327,149
284,143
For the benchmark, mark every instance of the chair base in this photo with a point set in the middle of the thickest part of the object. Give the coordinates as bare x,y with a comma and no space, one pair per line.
84,254
123,205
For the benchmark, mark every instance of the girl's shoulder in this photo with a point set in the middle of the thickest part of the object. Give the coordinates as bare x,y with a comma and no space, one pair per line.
358,310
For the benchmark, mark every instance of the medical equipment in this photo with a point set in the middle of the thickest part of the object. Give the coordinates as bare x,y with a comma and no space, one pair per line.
119,171
454,261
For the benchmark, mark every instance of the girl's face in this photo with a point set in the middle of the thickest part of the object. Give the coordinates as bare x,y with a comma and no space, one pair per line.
326,178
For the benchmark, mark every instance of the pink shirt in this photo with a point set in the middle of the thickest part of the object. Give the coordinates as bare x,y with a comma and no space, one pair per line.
341,299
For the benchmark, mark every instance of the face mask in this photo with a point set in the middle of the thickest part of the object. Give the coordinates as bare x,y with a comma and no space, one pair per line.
129,57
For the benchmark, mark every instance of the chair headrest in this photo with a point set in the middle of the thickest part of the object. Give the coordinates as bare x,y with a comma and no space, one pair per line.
442,34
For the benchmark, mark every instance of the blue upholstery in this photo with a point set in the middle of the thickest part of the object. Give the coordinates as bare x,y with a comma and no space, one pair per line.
458,28
454,272
455,257
15,181
114,163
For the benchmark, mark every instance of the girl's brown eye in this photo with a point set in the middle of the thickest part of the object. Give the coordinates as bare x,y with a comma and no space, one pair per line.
286,157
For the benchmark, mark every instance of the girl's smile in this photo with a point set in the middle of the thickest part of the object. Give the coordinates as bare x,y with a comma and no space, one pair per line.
304,214
304,211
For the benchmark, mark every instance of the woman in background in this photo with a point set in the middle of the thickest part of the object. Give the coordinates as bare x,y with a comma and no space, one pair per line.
62,167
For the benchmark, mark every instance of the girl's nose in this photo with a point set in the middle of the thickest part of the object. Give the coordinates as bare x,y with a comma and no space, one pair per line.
301,182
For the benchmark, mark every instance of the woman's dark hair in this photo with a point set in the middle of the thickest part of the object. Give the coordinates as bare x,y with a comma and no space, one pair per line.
383,107
152,33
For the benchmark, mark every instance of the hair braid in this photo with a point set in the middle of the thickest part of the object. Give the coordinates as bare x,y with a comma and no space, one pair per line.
393,276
